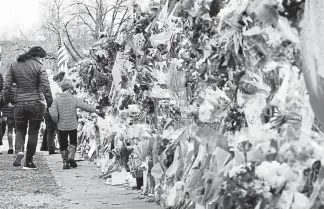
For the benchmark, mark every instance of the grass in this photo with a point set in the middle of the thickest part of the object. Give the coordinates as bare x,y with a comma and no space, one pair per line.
28,188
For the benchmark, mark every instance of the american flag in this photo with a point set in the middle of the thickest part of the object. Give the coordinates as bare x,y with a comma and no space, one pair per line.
63,57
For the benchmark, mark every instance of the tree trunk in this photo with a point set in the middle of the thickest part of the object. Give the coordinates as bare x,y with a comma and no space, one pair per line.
99,20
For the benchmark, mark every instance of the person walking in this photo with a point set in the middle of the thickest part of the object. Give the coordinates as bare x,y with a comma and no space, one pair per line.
64,113
31,80
2,120
48,143
3,126
8,113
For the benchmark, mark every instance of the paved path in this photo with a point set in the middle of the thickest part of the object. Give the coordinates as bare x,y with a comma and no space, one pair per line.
51,187
84,190
78,188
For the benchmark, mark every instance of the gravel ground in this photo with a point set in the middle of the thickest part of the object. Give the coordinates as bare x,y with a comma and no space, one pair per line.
28,188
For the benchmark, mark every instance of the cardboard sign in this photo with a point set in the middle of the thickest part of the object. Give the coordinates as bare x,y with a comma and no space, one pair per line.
253,110
118,178
116,71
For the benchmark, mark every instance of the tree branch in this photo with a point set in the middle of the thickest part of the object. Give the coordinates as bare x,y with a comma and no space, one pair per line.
116,9
81,3
87,24
106,12
70,41
54,27
121,22
75,60
50,29
89,13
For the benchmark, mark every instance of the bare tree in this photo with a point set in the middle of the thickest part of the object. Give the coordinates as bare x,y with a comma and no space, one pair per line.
54,12
119,7
80,22
94,14
57,22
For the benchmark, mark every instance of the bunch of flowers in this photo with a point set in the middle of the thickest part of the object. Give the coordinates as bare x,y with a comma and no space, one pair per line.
274,173
122,155
134,165
243,189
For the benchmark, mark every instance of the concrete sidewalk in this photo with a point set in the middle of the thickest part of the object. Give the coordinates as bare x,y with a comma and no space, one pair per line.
82,189
85,190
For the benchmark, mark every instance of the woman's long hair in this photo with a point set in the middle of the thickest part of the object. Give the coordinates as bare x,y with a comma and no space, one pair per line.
35,51
24,57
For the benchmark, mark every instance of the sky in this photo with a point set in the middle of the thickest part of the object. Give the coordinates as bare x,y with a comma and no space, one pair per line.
16,15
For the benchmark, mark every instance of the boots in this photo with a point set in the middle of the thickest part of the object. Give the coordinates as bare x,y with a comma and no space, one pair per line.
71,160
65,155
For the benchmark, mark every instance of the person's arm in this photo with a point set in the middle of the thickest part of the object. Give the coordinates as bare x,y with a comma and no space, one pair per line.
53,111
84,106
7,86
45,87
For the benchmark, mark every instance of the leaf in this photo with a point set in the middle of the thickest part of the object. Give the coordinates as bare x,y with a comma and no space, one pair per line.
253,31
266,13
186,4
171,5
215,8
288,31
227,202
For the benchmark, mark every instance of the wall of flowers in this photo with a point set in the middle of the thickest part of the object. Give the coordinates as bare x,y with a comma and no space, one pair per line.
204,103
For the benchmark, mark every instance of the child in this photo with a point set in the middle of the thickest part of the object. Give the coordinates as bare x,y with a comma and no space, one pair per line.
64,112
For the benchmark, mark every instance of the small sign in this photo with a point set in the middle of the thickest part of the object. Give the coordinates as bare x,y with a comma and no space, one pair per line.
117,79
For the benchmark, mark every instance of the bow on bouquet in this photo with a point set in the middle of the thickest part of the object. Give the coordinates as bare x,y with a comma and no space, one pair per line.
276,119
311,175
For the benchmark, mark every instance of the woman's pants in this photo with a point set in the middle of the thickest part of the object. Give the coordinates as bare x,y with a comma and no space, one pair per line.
28,114
63,137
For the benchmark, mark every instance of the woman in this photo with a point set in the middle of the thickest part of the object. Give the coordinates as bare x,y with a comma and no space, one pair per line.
31,80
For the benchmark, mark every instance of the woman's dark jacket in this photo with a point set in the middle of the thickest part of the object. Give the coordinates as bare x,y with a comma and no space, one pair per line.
31,81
